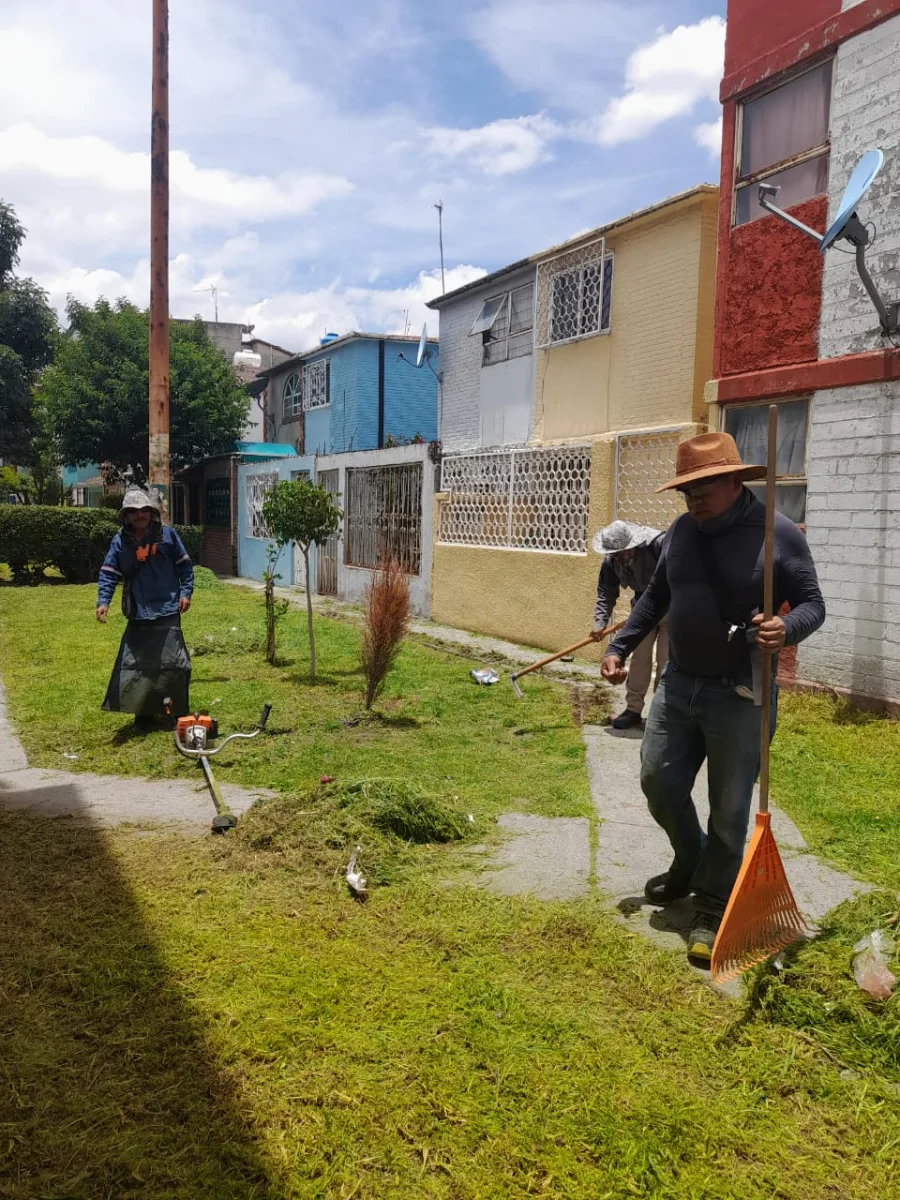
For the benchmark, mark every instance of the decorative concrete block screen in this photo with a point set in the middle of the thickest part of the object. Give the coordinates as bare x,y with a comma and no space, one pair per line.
574,294
383,516
258,487
645,461
518,499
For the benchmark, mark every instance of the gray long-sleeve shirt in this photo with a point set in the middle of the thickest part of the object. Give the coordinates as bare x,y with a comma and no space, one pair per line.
698,641
616,574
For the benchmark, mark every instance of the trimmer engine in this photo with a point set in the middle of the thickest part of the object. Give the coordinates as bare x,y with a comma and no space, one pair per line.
196,732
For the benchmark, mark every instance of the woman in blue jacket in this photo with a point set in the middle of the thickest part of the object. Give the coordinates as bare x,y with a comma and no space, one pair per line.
152,674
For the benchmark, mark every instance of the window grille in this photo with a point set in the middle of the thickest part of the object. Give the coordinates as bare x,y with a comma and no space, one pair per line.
644,462
258,487
218,503
518,499
574,292
292,396
315,385
384,516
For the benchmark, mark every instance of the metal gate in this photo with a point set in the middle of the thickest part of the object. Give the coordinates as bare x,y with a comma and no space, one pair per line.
327,553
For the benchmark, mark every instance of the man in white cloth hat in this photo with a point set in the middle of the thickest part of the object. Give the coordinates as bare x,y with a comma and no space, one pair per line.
631,554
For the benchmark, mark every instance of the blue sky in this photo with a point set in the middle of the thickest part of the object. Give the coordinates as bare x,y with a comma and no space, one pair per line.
311,140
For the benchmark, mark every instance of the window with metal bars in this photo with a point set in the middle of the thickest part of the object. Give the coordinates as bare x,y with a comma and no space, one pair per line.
581,301
258,487
315,385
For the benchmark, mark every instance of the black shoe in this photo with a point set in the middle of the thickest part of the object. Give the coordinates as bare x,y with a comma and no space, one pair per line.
626,720
666,888
702,937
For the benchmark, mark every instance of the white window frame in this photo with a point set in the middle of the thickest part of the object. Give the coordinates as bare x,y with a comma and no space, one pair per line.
316,385
292,405
508,343
579,269
741,181
780,480
258,487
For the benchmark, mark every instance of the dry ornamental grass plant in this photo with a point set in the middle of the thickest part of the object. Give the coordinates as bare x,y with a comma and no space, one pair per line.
386,624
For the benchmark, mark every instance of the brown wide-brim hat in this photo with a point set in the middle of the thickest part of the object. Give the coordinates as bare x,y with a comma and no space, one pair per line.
706,456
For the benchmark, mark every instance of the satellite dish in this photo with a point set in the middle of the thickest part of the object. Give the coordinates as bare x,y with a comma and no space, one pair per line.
860,181
423,346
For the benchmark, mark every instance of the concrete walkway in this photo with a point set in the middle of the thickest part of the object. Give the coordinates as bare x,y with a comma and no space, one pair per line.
106,799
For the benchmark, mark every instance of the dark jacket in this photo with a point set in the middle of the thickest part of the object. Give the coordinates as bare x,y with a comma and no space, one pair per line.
616,574
157,573
698,636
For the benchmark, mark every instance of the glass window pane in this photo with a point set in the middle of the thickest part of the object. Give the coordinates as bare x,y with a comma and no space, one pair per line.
490,310
790,499
521,309
797,184
607,293
749,428
564,318
786,121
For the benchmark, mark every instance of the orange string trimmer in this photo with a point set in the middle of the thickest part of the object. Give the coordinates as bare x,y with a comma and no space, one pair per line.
762,916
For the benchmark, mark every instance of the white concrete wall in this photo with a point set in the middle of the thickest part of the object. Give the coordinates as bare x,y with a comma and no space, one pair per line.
467,388
865,114
853,505
352,581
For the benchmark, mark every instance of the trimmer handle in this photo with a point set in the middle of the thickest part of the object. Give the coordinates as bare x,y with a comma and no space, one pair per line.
263,717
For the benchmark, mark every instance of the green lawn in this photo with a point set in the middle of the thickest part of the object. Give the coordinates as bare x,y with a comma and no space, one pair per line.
198,1017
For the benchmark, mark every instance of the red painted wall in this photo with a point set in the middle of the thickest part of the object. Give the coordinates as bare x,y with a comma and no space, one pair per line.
773,291
755,27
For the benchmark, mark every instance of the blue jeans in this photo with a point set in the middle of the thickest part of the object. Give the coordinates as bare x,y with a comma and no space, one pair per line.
692,719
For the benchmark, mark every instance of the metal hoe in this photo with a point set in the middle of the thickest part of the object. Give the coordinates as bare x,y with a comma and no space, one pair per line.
198,749
542,662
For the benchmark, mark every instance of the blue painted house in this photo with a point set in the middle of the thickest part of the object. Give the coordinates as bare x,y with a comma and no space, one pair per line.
361,391
363,420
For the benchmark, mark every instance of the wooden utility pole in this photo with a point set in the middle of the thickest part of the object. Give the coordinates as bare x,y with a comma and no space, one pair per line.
159,255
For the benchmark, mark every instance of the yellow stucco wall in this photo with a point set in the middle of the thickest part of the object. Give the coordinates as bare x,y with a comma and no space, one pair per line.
543,600
649,371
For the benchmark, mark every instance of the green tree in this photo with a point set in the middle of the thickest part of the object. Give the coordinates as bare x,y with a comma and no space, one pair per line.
96,390
27,334
304,513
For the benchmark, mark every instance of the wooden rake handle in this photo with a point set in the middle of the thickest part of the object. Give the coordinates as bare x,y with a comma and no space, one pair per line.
542,662
768,603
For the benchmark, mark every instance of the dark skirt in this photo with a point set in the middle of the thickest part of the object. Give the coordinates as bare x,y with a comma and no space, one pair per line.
153,667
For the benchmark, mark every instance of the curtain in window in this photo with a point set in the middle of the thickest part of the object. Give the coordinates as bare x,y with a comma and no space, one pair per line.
749,428
786,121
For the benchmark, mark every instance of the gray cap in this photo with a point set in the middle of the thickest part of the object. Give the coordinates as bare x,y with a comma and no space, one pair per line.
623,535
136,497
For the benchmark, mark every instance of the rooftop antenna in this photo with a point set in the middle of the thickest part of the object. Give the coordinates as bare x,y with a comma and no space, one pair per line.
423,354
211,287
847,226
440,211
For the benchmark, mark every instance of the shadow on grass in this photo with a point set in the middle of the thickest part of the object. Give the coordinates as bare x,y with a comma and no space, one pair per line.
845,713
385,720
109,1088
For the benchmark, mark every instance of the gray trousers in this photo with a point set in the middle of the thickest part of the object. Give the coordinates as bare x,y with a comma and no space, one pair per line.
640,667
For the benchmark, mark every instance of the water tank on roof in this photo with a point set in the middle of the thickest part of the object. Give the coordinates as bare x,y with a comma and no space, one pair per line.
329,337
248,358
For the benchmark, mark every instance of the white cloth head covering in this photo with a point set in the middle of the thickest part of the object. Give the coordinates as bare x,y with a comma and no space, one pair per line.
136,497
623,535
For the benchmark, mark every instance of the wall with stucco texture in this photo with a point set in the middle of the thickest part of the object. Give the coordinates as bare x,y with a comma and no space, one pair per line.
542,600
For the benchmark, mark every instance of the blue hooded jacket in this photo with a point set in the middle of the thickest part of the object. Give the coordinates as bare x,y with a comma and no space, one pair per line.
155,573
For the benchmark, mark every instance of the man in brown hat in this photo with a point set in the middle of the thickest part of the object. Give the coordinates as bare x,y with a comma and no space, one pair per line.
709,582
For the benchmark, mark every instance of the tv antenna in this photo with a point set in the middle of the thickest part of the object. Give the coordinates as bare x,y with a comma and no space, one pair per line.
847,226
211,287
440,211
423,354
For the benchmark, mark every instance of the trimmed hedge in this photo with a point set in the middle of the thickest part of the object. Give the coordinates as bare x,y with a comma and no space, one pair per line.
73,540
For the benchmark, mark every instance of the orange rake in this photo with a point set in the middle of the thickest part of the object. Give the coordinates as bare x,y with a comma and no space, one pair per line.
762,916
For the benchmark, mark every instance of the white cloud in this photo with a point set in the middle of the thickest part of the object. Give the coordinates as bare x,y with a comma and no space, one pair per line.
201,195
666,79
500,148
709,136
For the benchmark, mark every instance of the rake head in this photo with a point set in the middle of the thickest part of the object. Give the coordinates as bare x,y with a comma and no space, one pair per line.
762,916
515,683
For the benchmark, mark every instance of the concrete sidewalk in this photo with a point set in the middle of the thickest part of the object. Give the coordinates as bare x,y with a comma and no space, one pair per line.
106,799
